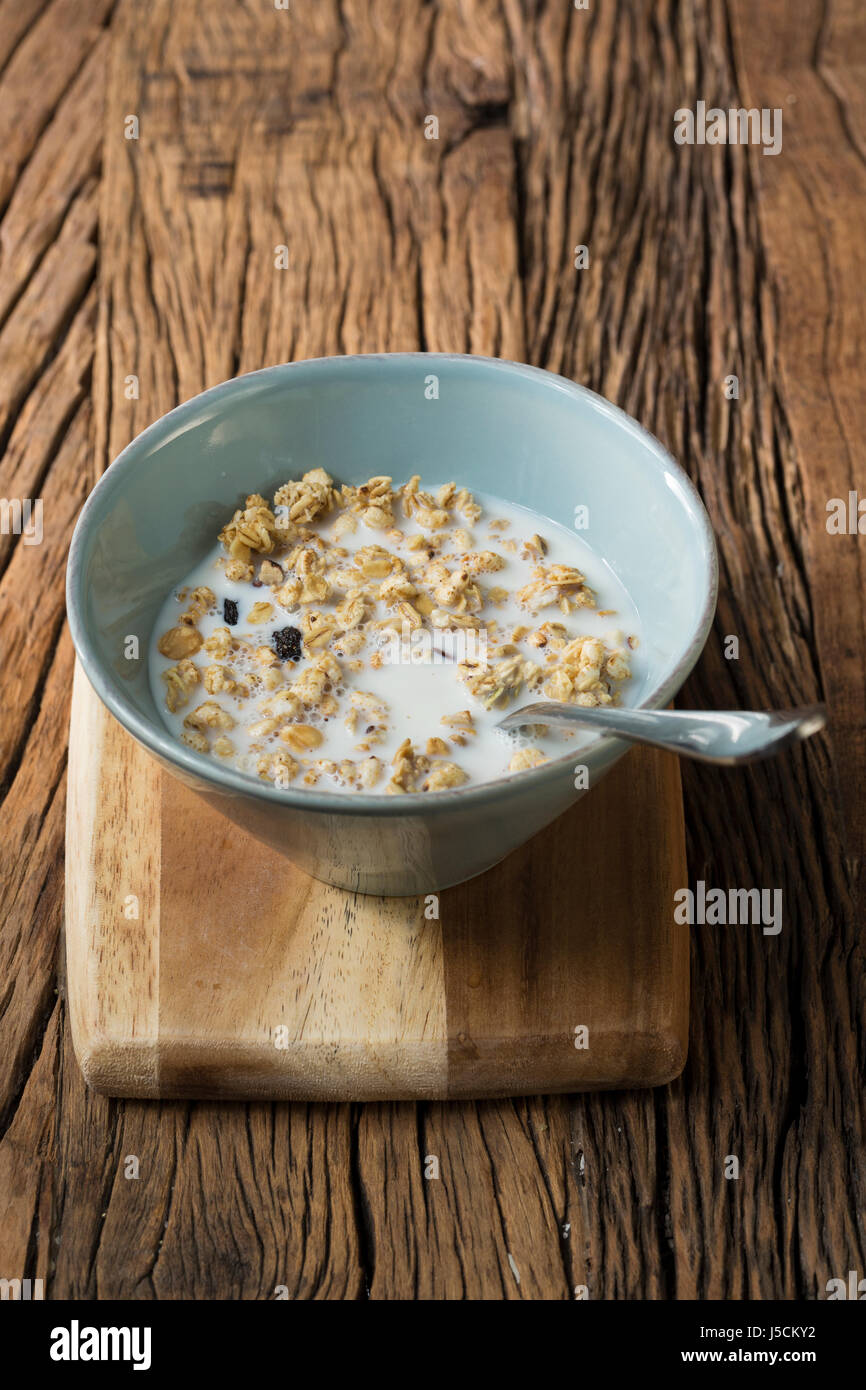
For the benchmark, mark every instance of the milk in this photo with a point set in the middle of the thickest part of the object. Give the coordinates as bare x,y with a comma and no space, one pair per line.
417,691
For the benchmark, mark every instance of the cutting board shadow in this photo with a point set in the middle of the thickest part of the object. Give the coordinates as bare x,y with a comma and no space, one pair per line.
199,963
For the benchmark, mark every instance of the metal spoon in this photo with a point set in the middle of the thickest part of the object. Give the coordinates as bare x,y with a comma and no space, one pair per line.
713,736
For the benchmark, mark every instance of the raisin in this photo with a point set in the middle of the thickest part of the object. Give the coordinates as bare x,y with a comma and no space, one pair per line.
230,611
257,583
287,643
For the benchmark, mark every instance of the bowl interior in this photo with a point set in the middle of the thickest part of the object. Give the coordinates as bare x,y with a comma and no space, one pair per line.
523,434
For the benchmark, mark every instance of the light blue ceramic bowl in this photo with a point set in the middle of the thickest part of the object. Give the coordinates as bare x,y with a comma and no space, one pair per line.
497,427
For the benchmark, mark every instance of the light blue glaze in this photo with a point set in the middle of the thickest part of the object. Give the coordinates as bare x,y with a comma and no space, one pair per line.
499,427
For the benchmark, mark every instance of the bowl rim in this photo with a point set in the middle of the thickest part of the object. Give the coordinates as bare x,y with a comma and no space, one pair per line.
223,779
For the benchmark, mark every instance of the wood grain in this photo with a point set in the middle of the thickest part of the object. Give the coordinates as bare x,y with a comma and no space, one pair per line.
201,964
306,129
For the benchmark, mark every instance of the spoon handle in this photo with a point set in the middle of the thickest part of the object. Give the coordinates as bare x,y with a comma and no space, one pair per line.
713,736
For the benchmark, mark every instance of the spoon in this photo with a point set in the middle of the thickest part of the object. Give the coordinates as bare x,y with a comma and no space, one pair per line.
713,736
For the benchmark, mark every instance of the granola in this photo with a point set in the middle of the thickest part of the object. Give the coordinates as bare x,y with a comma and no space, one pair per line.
278,658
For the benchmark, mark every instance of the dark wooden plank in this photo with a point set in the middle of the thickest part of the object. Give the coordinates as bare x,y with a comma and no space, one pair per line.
44,49
51,71
555,129
675,299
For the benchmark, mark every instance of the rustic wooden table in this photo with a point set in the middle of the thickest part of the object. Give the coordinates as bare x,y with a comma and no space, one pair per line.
155,157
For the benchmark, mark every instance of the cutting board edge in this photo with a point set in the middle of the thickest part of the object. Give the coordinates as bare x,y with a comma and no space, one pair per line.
142,1069
113,965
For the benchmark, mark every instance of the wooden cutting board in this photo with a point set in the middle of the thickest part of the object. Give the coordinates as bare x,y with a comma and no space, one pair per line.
240,977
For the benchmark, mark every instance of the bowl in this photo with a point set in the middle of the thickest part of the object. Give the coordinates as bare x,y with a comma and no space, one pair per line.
498,427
